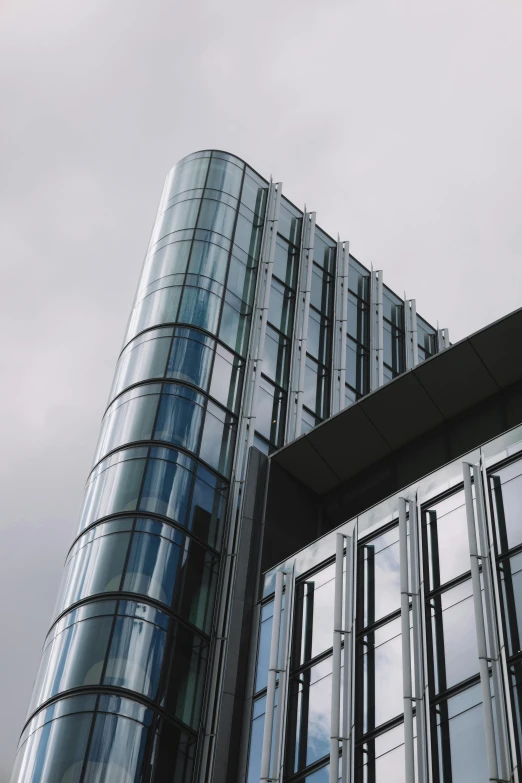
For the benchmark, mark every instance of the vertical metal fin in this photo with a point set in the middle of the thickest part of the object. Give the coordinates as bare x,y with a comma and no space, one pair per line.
410,324
479,624
406,651
376,330
340,326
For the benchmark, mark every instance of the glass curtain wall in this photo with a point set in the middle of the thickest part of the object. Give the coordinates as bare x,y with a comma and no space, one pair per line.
119,693
457,737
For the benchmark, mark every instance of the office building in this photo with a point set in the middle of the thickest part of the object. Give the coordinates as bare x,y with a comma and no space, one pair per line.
279,417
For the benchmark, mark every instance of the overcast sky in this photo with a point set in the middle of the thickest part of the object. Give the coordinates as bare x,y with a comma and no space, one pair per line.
399,122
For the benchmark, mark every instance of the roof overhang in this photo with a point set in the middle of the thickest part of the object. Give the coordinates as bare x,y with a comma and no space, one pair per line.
384,421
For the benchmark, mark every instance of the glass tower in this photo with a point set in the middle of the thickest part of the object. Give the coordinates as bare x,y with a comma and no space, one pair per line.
250,326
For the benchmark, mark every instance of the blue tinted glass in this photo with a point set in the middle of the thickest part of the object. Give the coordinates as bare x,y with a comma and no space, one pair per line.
357,367
190,358
144,358
242,279
166,490
200,308
289,224
170,259
248,233
276,357
225,176
227,379
358,321
218,439
235,324
160,307
116,750
115,488
129,419
208,260
54,752
177,217
179,418
285,262
216,216
186,175
135,656
281,305
183,696
207,509
358,279
254,194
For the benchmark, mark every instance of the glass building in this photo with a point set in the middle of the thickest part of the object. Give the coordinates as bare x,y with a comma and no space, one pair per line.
297,551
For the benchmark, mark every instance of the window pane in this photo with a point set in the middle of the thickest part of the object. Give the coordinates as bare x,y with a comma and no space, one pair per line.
281,307
507,501
248,233
276,357
208,260
242,280
461,738
179,417
313,624
224,176
511,581
62,743
379,667
319,337
191,357
218,439
207,509
270,413
144,358
216,216
289,224
130,418
454,640
358,279
186,175
184,694
170,259
447,536
254,193
381,759
179,216
200,308
321,295
113,487
227,379
316,388
309,716
235,324
166,487
357,367
285,262
116,750
358,320
379,580
393,348
160,307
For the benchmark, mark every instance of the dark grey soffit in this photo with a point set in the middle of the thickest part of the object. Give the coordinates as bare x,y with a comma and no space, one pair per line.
414,403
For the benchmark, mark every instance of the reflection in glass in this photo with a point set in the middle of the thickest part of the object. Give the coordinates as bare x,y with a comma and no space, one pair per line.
190,359
270,412
447,538
116,750
218,439
313,623
309,709
379,576
281,306
461,739
507,497
144,358
379,676
454,639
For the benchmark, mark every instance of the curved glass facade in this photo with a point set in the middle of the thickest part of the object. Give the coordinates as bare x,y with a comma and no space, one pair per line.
120,693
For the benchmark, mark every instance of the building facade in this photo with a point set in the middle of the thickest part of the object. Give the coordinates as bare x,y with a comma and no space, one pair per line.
251,327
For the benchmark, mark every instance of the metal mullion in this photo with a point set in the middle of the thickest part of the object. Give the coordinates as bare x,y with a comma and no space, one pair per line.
272,680
491,624
348,739
479,626
336,660
423,631
376,330
442,339
284,677
300,330
410,330
418,644
340,325
406,651
502,654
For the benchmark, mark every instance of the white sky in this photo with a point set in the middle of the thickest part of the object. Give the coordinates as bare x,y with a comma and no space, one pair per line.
398,121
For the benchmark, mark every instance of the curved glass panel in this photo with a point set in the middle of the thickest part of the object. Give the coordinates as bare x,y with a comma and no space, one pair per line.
160,307
187,174
114,486
208,260
130,418
179,216
116,750
215,216
179,417
167,484
225,176
144,358
170,259
200,308
191,357
218,439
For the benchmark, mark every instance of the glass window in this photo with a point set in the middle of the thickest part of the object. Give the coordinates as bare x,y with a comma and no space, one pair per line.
113,486
392,308
461,739
313,624
393,348
381,759
170,259
216,216
321,295
225,176
256,739
190,359
454,640
511,581
235,324
187,174
319,337
160,307
324,251
316,388
178,572
227,379
271,412
281,307
242,279
207,507
358,279
254,193
447,538
263,646
208,260
357,367
289,223
379,676
218,439
180,414
184,685
379,576
276,357
248,233
166,488
144,358
308,421
62,743
426,338
285,262
358,320
135,656
200,308
507,503
130,418
309,707
116,750
96,567
179,216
